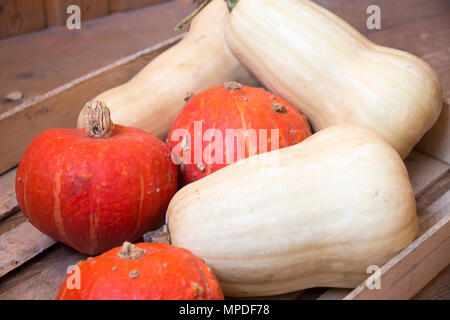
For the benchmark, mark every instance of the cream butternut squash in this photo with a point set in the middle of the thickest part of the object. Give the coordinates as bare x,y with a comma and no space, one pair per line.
152,99
332,73
315,214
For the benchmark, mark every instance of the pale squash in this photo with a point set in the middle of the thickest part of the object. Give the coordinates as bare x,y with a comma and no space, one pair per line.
332,73
316,214
151,100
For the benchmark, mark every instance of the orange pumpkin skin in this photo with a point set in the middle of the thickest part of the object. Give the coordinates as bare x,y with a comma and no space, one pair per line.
163,273
225,107
93,194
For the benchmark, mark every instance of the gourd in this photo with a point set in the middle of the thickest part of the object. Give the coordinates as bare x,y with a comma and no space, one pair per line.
151,100
332,73
229,123
93,189
145,271
316,214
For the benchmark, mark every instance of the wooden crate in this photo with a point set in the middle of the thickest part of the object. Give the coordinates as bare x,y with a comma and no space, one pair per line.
33,265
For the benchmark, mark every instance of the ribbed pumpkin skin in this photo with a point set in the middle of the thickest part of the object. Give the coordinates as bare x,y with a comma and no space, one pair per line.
164,273
221,108
93,194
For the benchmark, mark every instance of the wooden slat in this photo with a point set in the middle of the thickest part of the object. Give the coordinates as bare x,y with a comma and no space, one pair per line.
121,5
424,171
56,10
436,289
41,279
11,222
21,16
437,141
8,201
119,46
20,245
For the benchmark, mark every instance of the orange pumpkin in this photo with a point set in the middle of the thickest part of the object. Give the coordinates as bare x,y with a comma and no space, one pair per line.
145,271
227,123
95,189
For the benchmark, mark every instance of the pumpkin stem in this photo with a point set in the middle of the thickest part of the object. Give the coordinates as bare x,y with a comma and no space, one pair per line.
233,85
97,120
192,15
161,235
130,251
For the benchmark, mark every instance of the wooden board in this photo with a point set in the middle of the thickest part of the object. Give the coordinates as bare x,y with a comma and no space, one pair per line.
21,16
56,10
437,141
8,202
121,5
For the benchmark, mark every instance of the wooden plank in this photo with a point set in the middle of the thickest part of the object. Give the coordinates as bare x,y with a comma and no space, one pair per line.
20,245
11,222
436,142
424,171
56,10
21,16
41,279
436,289
122,5
8,201
49,72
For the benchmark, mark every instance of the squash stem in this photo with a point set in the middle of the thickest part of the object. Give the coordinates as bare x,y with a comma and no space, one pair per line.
193,14
231,4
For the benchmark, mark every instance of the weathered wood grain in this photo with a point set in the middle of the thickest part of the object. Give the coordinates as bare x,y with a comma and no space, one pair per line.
56,10
21,16
436,289
8,201
423,171
121,5
20,245
41,279
436,142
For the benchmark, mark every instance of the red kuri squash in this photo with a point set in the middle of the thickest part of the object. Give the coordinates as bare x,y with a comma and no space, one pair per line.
227,123
94,189
145,271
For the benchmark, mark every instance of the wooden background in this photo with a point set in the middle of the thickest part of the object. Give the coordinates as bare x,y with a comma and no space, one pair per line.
66,69
23,16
